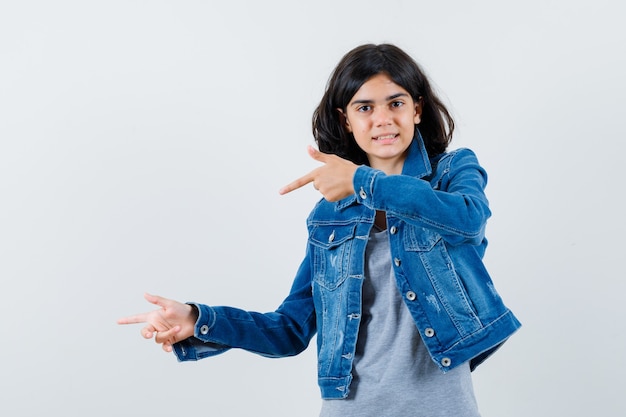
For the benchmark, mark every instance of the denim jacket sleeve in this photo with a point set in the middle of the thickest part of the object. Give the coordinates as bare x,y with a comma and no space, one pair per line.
450,201
284,332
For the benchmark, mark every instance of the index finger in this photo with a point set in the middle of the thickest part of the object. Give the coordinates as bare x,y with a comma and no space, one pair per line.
300,182
137,318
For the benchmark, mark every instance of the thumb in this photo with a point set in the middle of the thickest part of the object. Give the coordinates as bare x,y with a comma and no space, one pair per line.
317,155
155,299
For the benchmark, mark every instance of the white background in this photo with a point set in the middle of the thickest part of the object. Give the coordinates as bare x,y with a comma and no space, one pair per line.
142,144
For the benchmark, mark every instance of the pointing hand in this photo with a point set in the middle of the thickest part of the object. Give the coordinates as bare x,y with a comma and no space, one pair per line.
333,179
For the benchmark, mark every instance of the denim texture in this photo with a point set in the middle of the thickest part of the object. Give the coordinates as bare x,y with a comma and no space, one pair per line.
436,217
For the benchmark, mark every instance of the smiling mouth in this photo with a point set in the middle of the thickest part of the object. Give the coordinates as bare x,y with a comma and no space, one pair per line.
385,138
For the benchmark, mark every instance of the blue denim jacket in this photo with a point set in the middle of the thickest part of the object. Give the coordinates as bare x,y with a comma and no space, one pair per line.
436,216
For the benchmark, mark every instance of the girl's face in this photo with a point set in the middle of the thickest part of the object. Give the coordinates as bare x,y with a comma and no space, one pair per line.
382,117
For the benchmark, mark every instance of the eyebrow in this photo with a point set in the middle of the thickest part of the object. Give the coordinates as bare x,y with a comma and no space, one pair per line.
389,98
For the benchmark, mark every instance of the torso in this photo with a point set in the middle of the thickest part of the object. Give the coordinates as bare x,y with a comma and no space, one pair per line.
393,372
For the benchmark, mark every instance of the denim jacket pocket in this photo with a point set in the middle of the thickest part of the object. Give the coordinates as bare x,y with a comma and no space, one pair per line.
331,246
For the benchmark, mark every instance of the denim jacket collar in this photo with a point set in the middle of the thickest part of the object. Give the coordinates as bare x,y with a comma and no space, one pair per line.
417,164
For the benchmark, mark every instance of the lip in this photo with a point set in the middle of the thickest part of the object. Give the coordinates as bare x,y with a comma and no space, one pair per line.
387,137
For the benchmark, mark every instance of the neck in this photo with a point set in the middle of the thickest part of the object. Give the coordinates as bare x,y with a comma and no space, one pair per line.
389,168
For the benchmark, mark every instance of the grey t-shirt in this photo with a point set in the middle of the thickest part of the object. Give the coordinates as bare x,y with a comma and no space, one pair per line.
393,374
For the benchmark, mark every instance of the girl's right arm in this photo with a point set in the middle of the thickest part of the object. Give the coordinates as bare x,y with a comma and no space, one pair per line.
286,331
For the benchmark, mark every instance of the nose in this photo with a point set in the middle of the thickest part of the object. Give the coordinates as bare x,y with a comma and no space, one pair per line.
382,116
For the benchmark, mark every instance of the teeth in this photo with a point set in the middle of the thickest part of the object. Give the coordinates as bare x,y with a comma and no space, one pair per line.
385,137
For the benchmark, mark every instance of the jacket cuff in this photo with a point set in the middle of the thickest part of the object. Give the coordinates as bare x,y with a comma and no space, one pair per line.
363,182
205,322
200,345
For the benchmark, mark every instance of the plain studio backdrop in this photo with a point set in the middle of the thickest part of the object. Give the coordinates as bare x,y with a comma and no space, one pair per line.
143,144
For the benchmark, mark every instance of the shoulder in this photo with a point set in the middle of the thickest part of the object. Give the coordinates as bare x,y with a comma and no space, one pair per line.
460,158
321,210
457,154
457,165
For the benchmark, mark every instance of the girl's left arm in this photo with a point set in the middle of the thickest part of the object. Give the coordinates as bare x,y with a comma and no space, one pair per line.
454,206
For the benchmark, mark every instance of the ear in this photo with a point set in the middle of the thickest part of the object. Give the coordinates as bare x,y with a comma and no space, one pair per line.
344,120
417,118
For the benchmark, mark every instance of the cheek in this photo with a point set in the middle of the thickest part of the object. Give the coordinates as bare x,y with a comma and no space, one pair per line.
361,136
362,139
358,129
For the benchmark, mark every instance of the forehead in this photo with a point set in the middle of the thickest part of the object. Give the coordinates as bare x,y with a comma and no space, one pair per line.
379,87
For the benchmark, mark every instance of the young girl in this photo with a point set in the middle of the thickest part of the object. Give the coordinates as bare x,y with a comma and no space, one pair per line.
393,280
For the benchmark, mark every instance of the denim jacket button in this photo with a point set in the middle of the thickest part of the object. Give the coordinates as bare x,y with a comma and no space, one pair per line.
362,193
393,230
397,261
410,295
204,329
429,332
446,362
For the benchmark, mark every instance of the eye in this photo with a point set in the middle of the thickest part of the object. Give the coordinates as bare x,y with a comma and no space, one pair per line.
397,103
364,108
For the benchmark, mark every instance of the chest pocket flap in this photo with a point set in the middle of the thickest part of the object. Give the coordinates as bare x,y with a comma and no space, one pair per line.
331,236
